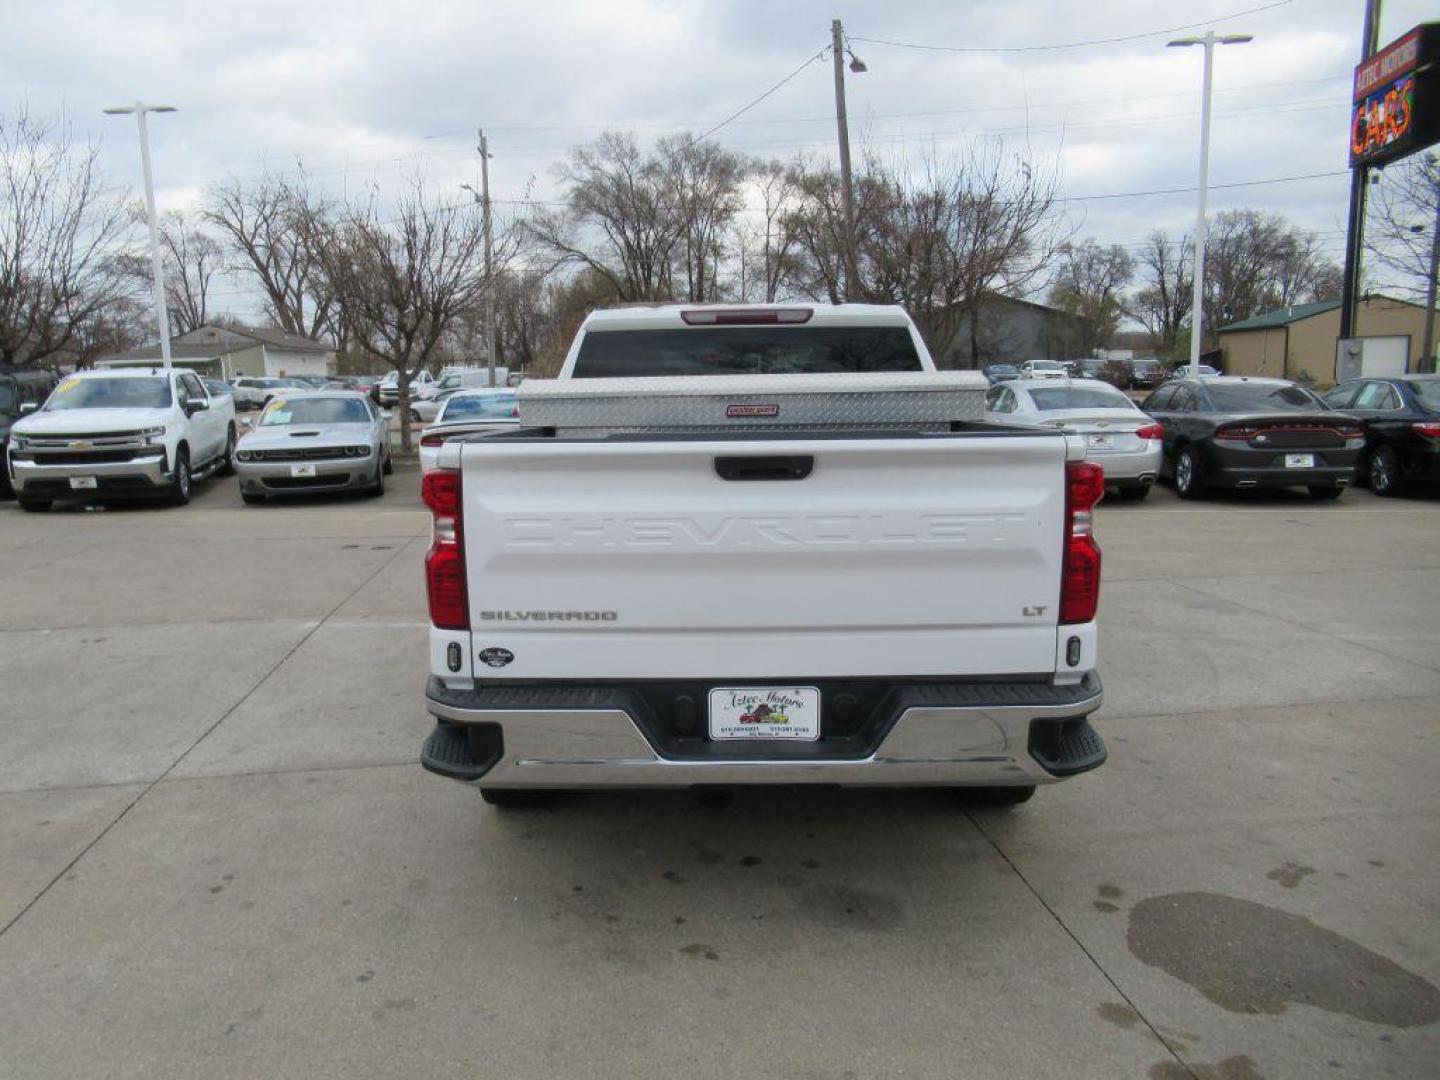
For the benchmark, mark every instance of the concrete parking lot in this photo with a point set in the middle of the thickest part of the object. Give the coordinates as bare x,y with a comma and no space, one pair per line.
219,858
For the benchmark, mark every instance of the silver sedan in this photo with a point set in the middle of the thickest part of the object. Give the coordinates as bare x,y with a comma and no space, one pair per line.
324,440
1120,438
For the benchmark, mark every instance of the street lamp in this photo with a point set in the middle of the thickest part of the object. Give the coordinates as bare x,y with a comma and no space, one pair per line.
1209,39
156,269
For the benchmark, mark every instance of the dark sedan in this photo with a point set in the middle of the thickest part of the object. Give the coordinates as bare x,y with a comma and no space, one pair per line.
1402,428
997,373
1247,433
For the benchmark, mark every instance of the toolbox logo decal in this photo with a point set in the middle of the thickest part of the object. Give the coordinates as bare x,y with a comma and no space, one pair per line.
496,657
744,411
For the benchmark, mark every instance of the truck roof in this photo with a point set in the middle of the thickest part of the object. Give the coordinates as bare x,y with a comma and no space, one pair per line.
667,316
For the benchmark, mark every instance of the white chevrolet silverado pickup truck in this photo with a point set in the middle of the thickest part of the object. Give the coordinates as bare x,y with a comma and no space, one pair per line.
121,433
735,545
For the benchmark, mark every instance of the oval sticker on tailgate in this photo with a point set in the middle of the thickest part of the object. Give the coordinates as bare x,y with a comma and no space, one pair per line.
496,657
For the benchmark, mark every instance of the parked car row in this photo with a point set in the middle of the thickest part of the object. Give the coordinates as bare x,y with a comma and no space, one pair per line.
1239,432
148,432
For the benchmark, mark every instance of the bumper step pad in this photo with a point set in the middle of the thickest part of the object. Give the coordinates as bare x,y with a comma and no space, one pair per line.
1066,747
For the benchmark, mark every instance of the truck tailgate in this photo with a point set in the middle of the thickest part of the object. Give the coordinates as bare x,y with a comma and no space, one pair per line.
919,556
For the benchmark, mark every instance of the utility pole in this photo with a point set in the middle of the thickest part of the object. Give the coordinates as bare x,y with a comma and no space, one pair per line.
1209,40
157,270
1359,186
847,188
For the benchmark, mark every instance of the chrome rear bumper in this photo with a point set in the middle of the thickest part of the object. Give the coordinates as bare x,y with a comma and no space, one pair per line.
994,734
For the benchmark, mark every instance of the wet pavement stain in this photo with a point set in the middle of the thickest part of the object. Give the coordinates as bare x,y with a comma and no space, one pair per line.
699,948
1119,1014
843,908
1290,874
1232,1068
751,860
1105,907
1110,892
1253,958
674,878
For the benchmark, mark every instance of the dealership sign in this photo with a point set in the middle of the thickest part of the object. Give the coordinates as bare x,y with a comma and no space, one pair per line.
1395,107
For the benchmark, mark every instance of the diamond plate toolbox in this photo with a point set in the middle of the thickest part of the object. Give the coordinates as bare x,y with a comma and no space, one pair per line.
918,400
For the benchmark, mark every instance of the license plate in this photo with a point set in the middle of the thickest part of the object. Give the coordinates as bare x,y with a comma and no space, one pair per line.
302,470
765,712
83,483
1299,461
1101,440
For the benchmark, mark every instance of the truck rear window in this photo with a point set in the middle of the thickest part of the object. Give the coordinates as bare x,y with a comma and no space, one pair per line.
745,350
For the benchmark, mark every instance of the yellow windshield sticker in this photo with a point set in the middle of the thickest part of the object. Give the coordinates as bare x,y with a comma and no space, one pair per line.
68,384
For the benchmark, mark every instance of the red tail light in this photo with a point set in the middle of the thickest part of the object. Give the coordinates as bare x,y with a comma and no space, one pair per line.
1350,432
1241,432
445,562
1151,431
1080,573
432,440
1429,428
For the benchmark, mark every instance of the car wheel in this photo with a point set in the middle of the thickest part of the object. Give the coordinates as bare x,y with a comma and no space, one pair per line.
415,417
1187,475
251,498
1383,472
378,487
389,464
1001,796
180,489
1326,491
227,465
34,506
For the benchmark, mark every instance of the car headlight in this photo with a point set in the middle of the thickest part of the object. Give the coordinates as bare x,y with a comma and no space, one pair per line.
243,455
19,442
153,436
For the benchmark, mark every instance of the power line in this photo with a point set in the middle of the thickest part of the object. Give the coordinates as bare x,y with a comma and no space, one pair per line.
1070,44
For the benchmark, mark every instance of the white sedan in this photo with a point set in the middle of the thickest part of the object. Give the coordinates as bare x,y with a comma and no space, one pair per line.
468,412
1124,441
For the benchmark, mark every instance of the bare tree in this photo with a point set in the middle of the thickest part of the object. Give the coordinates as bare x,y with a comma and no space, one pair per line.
405,277
61,237
980,223
703,182
618,219
653,224
779,194
1162,302
1256,261
1401,230
268,226
192,259
1089,284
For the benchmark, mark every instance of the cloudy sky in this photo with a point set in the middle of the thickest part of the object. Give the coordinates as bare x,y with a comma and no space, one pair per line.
368,91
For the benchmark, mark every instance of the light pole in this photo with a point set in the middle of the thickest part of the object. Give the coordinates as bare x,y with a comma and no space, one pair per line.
847,188
1209,39
156,267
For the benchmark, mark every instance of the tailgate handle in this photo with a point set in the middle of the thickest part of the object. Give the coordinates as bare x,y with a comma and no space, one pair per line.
770,467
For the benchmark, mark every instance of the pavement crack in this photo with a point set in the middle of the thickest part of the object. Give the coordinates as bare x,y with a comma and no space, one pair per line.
149,787
1094,960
